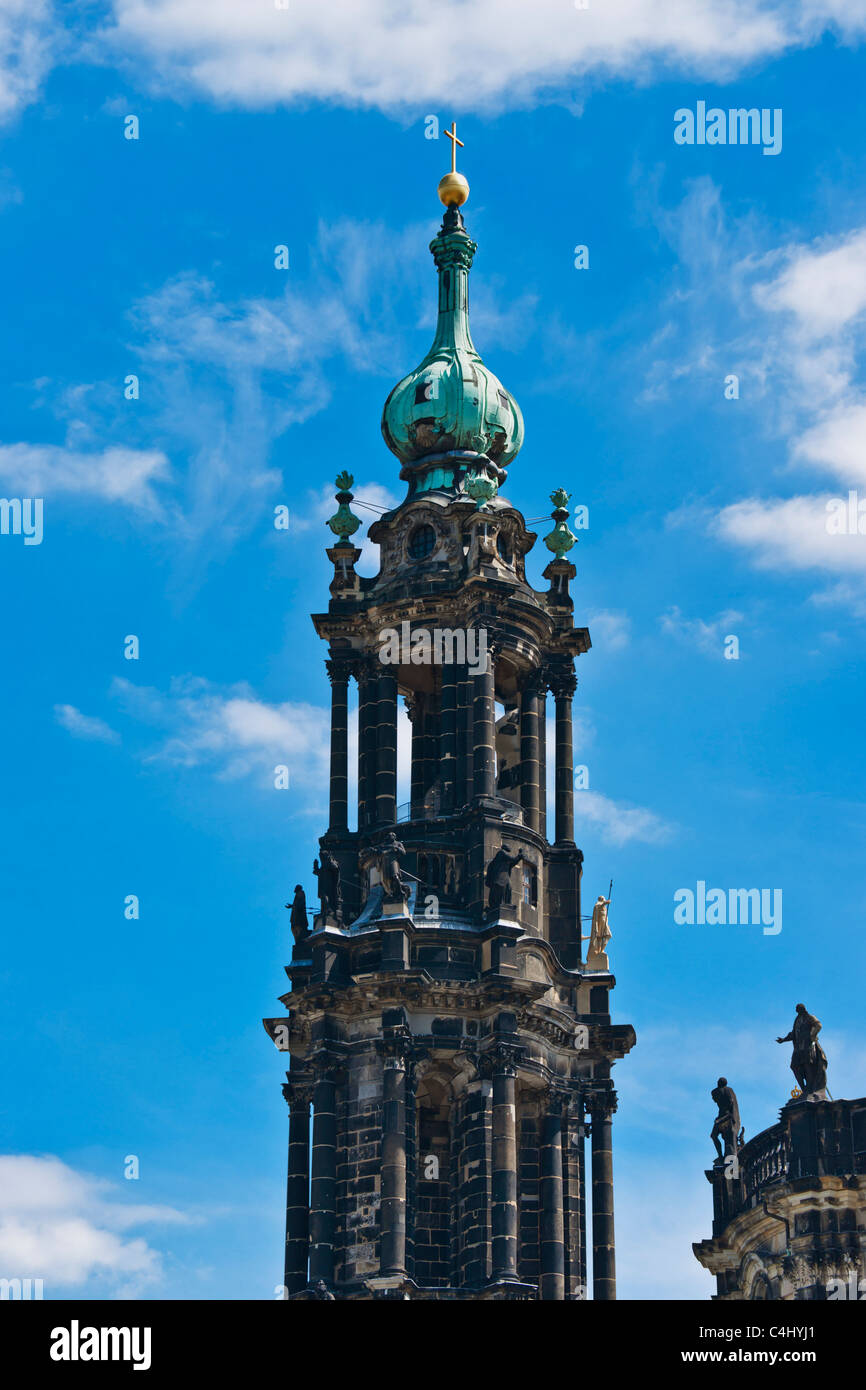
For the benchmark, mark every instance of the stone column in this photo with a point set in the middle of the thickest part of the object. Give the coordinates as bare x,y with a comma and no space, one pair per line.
542,759
464,737
552,1196
483,722
323,1184
530,762
385,775
367,719
393,1195
473,1214
448,738
563,684
575,1199
504,1189
338,672
411,1130
298,1095
603,1252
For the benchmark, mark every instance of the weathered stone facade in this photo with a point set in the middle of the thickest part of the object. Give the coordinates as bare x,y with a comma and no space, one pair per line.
443,1025
790,1208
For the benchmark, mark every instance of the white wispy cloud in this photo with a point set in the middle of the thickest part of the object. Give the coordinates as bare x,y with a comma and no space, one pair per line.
113,474
609,630
654,1257
707,635
31,38
835,443
823,287
84,725
223,380
791,534
230,732
790,321
68,1227
619,823
497,53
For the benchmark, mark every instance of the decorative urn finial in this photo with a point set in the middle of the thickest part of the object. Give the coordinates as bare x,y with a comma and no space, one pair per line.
561,539
344,523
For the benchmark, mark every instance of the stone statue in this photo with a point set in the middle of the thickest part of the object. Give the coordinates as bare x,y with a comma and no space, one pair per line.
809,1061
498,876
330,891
727,1122
599,932
298,915
321,1291
394,883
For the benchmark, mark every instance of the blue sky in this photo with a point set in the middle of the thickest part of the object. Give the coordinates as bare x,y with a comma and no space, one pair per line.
155,257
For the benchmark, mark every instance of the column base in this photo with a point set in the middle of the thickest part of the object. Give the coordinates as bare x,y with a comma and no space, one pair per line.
499,1289
391,1286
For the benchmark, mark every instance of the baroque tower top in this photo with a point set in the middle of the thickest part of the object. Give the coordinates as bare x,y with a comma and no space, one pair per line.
454,1040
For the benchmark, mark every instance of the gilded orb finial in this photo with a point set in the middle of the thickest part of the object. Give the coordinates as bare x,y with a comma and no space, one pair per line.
453,188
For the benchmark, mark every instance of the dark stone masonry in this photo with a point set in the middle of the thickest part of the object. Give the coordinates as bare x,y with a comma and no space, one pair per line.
450,1047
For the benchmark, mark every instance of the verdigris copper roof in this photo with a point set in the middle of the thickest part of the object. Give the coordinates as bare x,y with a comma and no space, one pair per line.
452,401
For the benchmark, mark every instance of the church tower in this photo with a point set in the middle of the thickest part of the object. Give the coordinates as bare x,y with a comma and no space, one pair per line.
450,1045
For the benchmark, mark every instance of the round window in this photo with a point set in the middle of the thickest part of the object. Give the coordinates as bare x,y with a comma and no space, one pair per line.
421,542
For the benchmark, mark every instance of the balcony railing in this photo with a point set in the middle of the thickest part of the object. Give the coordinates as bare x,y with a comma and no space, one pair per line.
430,807
765,1159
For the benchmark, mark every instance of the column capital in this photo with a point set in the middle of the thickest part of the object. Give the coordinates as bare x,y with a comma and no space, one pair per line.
494,647
601,1104
339,667
298,1092
558,1101
561,678
326,1064
536,682
502,1059
396,1049
364,665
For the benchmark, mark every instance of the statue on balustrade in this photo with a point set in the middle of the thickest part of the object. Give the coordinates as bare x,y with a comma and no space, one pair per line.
298,915
330,889
809,1061
393,880
498,876
726,1125
599,932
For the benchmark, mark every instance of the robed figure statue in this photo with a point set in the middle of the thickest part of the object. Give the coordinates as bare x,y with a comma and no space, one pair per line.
726,1125
809,1061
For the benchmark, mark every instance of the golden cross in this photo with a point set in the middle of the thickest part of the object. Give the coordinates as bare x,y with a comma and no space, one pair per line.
452,136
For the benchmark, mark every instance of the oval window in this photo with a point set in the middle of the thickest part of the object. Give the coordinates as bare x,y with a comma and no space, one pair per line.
421,542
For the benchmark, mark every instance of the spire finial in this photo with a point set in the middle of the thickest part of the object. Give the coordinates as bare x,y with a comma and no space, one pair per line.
344,523
561,538
453,188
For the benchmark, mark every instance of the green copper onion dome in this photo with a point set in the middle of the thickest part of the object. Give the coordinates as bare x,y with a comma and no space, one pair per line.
451,402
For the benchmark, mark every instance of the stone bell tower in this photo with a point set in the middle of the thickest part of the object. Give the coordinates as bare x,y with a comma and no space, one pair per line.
443,1025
